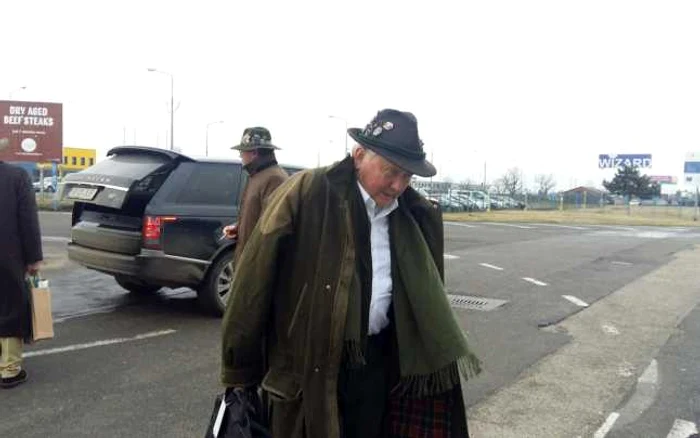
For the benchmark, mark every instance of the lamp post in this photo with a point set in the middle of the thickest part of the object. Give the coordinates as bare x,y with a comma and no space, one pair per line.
346,131
16,90
206,147
172,104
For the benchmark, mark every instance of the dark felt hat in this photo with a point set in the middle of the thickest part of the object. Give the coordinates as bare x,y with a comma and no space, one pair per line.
394,135
255,138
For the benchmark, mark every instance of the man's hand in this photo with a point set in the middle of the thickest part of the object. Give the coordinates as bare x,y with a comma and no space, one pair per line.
33,269
230,232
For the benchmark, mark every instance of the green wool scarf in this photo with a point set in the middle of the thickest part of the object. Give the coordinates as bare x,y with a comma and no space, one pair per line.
433,349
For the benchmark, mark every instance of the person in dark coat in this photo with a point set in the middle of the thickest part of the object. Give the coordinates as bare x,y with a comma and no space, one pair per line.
339,311
20,254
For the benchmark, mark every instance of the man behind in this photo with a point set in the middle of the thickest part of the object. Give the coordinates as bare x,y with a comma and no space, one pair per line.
258,156
342,283
20,254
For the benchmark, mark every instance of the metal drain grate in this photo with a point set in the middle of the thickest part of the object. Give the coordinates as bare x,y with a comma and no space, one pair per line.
475,303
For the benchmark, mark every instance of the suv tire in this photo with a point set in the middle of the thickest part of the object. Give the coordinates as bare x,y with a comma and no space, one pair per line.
136,286
214,290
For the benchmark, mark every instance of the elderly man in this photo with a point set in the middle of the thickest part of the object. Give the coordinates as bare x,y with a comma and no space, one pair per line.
258,156
20,254
342,283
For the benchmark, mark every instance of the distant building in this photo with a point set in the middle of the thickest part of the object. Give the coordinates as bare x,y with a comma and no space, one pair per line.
581,194
77,159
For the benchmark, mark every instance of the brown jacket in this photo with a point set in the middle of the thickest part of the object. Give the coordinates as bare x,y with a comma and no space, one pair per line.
291,291
265,177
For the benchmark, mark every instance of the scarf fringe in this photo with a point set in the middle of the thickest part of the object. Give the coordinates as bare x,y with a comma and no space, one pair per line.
355,358
441,381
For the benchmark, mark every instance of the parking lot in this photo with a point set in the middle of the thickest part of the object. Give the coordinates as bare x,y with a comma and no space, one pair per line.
148,366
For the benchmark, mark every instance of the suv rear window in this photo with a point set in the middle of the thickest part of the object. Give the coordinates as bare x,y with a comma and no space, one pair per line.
131,166
212,184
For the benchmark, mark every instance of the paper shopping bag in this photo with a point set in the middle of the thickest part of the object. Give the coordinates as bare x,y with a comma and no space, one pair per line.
42,321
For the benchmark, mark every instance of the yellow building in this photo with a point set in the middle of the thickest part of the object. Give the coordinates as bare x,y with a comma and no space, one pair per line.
76,159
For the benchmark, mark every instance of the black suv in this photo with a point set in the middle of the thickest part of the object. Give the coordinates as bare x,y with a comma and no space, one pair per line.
153,218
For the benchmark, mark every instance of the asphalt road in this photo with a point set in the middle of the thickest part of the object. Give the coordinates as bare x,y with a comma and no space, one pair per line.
147,366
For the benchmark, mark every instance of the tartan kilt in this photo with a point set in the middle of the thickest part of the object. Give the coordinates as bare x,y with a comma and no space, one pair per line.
441,416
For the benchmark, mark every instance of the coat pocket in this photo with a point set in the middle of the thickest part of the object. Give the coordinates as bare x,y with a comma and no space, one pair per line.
297,309
286,403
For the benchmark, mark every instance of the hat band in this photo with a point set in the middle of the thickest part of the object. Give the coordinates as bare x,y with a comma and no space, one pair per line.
411,155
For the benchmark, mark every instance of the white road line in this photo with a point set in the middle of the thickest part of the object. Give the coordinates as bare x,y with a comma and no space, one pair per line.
460,224
524,227
610,329
55,212
605,428
533,281
575,300
451,257
486,265
97,343
682,429
651,374
55,239
621,263
571,227
615,227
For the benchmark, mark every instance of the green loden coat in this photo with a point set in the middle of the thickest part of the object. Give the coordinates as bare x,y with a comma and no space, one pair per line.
291,291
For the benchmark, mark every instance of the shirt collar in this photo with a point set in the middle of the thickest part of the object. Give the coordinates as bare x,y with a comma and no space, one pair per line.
372,209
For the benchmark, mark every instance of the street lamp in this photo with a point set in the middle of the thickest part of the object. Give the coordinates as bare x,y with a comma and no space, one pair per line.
172,105
206,153
346,131
16,90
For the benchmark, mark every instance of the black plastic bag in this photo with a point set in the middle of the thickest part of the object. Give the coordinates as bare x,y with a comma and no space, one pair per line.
238,413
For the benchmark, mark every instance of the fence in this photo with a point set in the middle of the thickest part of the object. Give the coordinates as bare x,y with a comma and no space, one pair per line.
463,197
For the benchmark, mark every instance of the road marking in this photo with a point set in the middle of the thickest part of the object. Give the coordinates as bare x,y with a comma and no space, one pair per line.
651,374
486,265
533,281
610,329
621,263
605,428
575,300
570,227
682,429
614,227
524,227
451,257
55,239
97,343
459,224
55,212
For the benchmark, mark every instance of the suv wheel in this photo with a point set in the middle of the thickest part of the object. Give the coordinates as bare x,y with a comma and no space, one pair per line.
135,285
213,293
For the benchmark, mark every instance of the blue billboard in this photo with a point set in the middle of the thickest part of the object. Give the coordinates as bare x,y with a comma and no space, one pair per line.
613,161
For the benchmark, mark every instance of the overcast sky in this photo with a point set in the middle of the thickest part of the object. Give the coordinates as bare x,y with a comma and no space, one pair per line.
542,85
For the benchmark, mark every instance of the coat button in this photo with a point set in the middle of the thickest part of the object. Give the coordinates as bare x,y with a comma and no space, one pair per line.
328,287
317,369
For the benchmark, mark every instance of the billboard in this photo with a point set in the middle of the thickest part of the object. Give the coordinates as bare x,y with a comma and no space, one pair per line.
691,168
613,161
34,130
663,179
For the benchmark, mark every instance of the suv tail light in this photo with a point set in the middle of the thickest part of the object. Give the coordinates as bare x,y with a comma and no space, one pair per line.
152,230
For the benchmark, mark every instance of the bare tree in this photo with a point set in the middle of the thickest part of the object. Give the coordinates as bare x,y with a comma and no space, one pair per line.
545,183
512,182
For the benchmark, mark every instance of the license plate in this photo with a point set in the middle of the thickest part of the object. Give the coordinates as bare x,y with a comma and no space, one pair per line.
82,193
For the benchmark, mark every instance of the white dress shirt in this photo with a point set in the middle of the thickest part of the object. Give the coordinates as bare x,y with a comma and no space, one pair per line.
381,262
